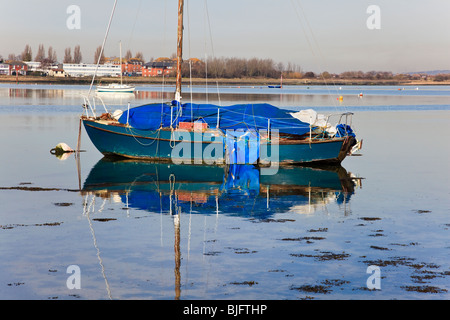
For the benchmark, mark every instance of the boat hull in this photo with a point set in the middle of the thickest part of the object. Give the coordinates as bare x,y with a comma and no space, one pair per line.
206,147
124,89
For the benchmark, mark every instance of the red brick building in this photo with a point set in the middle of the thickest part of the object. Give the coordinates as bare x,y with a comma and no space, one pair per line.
17,67
132,66
157,68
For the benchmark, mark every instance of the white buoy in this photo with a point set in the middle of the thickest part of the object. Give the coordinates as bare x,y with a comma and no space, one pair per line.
62,151
61,148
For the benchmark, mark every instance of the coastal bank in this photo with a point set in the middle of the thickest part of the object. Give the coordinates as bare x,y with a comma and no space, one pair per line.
220,81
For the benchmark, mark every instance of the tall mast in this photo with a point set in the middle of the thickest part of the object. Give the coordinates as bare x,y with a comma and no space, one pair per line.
179,50
121,63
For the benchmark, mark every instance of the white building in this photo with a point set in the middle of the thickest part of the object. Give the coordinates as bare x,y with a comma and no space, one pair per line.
33,65
88,70
58,73
4,68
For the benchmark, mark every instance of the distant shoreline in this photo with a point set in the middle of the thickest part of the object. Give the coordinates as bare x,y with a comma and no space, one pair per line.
222,81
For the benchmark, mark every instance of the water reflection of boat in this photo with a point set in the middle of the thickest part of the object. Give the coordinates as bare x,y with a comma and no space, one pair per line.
233,189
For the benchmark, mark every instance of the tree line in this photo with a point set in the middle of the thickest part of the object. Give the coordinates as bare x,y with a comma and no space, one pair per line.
50,57
223,67
267,68
232,68
128,55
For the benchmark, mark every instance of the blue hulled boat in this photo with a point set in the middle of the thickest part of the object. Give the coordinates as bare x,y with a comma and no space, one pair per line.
210,134
189,133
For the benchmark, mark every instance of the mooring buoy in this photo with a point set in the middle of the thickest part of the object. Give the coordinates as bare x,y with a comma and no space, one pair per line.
61,148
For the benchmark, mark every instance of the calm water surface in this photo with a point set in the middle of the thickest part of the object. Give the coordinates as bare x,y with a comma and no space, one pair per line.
147,231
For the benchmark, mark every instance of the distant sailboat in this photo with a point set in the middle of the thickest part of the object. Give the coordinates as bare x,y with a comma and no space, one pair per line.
116,87
278,86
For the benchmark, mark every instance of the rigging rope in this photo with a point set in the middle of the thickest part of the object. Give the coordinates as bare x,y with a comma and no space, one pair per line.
208,22
164,45
190,56
103,46
134,24
321,58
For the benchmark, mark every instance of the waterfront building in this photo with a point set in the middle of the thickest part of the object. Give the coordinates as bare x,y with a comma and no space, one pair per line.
34,65
130,67
88,70
16,67
157,68
58,73
4,68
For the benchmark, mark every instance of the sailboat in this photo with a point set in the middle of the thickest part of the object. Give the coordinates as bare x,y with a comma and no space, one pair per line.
117,87
278,86
259,134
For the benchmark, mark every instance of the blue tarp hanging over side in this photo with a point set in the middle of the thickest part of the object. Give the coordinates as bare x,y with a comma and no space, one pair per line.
242,146
234,117
343,130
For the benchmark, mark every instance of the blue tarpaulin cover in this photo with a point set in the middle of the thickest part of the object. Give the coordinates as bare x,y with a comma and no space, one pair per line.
343,130
240,116
242,146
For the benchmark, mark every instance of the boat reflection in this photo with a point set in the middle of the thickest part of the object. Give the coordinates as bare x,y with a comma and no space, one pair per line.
236,190
239,190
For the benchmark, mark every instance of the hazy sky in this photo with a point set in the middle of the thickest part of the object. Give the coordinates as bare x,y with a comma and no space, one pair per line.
317,35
